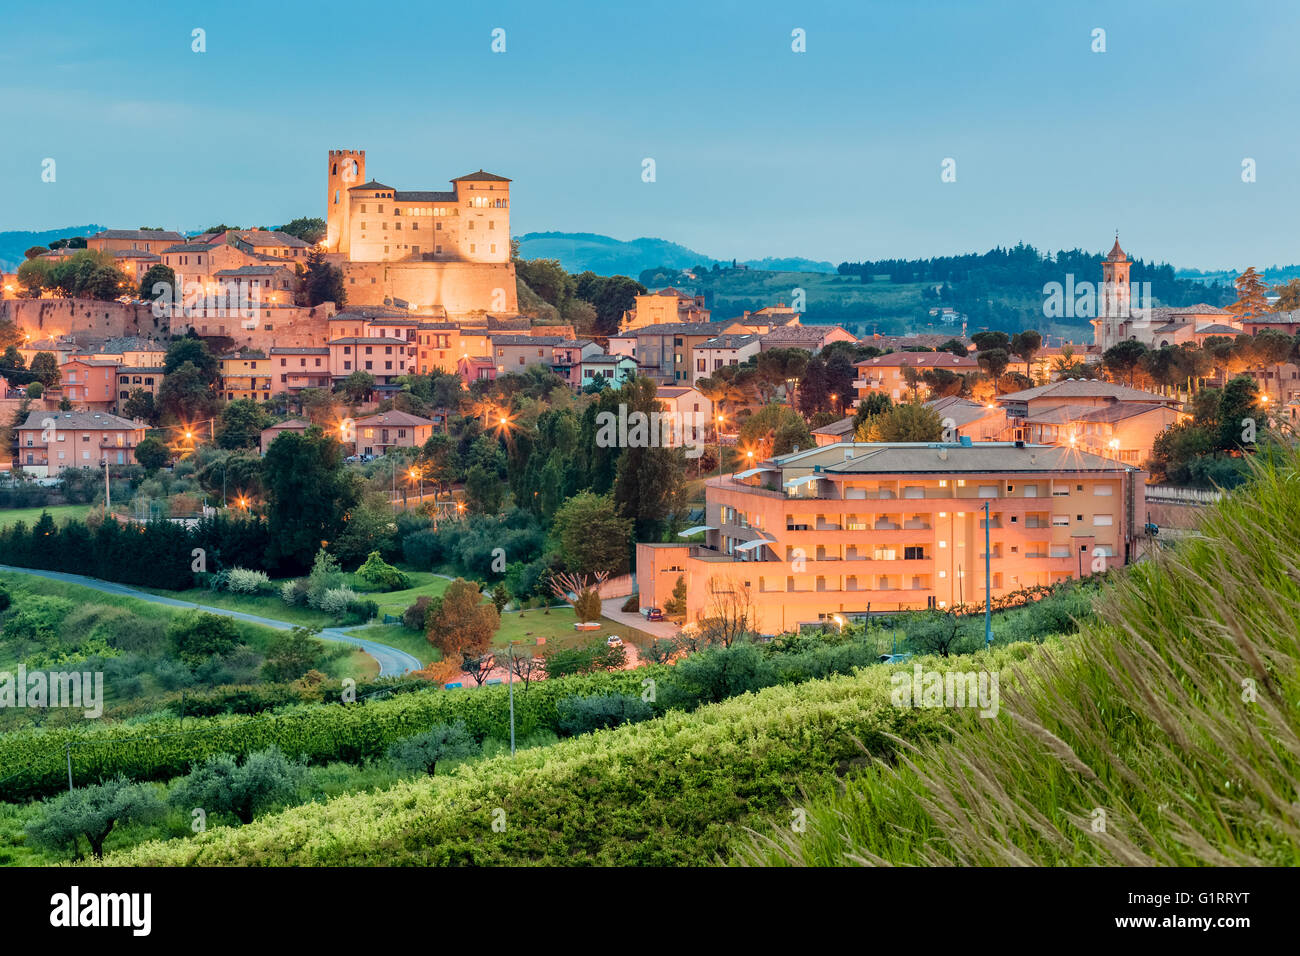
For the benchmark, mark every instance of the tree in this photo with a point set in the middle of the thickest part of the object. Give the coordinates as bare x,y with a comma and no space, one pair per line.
1025,345
909,422
500,597
423,752
93,811
151,453
675,606
35,251
264,779
775,430
35,390
322,282
524,666
1252,295
187,395
195,352
994,362
591,536
484,492
158,275
240,424
729,612
479,667
1288,296
45,368
358,386
310,229
460,623
291,654
935,632
195,636
1123,357
985,341
139,404
309,495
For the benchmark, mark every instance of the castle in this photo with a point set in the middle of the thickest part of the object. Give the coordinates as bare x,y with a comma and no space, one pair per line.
440,253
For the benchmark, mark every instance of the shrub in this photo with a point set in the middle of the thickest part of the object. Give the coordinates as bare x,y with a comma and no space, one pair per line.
5,599
244,581
291,654
421,549
422,752
294,592
325,576
362,610
335,601
197,637
382,576
633,603
414,616
264,779
580,715
93,811
587,605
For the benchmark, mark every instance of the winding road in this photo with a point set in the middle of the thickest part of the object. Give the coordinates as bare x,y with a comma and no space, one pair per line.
392,662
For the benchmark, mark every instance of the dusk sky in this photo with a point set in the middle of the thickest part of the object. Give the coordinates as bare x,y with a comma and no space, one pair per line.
831,154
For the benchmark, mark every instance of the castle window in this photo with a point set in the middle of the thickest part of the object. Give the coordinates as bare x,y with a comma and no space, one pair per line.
363,209
437,226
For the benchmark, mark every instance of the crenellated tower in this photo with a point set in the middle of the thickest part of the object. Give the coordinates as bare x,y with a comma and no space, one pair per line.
347,168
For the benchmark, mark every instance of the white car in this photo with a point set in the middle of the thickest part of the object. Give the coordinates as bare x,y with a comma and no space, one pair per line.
614,641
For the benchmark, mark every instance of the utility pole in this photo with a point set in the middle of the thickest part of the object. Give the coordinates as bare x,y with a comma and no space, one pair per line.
511,681
988,581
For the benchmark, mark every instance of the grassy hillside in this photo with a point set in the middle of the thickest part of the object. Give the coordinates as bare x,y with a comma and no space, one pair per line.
1166,732
669,791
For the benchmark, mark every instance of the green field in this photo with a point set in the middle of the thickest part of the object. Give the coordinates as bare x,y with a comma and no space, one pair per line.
398,636
10,516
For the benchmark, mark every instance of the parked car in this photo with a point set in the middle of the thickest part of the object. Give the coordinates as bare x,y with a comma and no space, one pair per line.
894,658
613,641
652,613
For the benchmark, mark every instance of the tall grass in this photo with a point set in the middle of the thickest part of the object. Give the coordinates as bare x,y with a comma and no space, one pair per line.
1164,733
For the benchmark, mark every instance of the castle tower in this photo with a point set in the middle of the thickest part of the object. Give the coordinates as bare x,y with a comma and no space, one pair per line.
347,168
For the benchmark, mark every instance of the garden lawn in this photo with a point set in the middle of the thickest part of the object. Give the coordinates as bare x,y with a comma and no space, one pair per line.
396,635
263,605
557,628
10,516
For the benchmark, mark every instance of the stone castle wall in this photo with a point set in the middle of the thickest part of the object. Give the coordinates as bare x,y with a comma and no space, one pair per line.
90,320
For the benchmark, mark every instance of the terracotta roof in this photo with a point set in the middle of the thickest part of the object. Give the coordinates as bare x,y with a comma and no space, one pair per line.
1085,388
1116,253
159,234
82,421
393,418
919,360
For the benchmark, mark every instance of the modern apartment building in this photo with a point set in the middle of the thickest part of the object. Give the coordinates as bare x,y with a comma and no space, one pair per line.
855,528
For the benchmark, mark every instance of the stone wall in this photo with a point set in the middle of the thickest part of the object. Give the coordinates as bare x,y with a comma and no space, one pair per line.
90,320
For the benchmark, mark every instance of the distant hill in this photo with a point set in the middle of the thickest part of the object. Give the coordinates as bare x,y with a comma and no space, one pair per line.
1272,274
580,251
14,244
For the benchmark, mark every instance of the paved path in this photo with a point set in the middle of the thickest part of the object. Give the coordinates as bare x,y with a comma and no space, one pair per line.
612,609
392,662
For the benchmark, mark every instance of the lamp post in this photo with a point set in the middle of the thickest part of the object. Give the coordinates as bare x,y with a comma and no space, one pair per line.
988,582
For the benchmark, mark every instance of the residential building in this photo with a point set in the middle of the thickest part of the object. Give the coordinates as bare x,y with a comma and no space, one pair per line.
147,378
50,441
962,418
857,529
613,369
246,376
667,306
731,349
294,368
90,383
666,351
386,359
295,425
810,338
375,434
889,373
143,240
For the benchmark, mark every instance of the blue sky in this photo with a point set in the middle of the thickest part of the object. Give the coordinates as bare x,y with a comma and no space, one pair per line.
832,154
